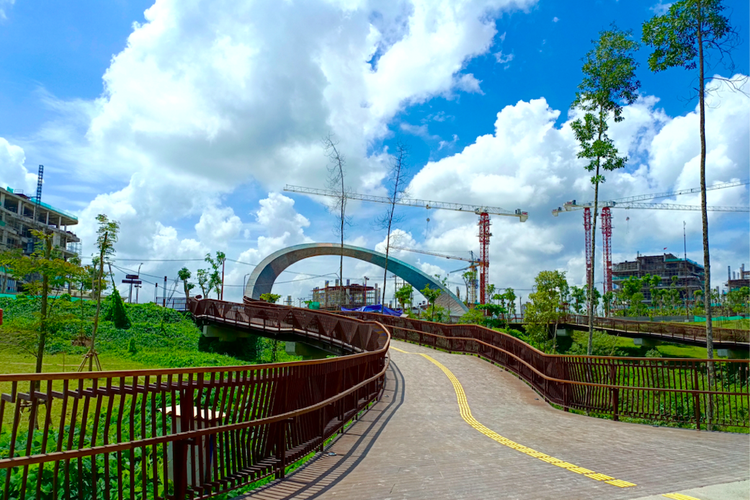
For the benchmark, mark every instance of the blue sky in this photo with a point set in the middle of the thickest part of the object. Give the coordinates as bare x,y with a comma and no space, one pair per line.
185,124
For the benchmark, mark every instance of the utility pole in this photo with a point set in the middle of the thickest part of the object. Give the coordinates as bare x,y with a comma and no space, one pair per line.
222,277
156,293
164,293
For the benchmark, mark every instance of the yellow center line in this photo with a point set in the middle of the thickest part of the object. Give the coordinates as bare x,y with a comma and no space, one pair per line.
678,496
463,406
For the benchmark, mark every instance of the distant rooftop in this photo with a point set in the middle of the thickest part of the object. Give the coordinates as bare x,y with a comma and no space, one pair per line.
45,205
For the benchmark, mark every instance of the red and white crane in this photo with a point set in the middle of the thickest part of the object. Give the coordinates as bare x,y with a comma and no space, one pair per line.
482,211
634,203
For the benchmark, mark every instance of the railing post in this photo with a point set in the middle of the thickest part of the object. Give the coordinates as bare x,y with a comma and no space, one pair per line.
281,448
179,463
615,393
696,399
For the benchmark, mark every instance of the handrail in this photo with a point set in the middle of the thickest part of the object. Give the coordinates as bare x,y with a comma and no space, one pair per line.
194,432
661,389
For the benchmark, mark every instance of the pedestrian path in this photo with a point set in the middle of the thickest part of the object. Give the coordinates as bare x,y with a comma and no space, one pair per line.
457,427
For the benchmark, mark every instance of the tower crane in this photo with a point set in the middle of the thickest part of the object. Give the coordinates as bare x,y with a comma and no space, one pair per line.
634,202
472,292
482,211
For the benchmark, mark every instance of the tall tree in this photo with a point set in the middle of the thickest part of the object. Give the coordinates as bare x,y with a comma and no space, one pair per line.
608,83
184,274
216,274
204,281
396,177
431,295
681,38
105,242
546,307
336,178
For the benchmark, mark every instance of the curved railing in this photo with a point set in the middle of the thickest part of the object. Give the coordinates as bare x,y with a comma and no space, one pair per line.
187,432
656,389
664,330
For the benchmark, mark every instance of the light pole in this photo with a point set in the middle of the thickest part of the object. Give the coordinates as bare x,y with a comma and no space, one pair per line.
243,283
139,278
366,278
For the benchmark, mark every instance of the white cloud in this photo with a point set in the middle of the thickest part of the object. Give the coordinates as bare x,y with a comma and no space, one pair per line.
530,163
468,83
5,5
555,19
13,172
448,144
218,225
660,8
503,58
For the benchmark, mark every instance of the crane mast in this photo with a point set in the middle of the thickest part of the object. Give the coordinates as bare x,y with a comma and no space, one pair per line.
634,202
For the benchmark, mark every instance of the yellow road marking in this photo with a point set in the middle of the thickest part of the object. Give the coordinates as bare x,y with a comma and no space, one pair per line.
463,406
679,496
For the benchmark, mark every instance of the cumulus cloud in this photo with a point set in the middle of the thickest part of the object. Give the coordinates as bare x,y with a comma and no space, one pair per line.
13,172
530,163
218,225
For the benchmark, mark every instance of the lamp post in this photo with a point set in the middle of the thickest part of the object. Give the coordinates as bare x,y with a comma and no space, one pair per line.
243,283
366,278
138,286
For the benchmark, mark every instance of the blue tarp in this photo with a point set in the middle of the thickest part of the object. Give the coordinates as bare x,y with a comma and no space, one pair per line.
376,309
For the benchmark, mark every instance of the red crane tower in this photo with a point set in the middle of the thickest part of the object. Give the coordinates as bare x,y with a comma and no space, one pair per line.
633,202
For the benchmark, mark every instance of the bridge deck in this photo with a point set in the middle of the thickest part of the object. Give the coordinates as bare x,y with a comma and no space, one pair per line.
415,444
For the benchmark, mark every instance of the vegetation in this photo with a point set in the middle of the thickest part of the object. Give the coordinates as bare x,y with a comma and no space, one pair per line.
431,296
215,275
545,310
336,177
609,82
403,295
184,275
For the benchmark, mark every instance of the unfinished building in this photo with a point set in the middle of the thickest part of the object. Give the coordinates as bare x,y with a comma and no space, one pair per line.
690,275
19,214
351,295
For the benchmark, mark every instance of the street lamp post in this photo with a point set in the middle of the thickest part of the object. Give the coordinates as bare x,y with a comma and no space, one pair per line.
243,283
366,278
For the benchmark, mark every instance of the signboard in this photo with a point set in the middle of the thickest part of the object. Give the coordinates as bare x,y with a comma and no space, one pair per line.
131,276
132,282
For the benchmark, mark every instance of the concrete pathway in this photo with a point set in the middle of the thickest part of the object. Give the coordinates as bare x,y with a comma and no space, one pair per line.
502,441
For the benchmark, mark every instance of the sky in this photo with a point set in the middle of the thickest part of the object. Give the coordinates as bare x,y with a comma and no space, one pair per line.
184,120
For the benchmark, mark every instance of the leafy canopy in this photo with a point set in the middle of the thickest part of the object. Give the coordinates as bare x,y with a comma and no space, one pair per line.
674,35
609,82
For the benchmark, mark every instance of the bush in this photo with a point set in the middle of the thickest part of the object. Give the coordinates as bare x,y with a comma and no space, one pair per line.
602,345
116,311
653,353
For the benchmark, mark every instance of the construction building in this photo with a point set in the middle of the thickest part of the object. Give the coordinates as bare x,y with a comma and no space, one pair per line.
737,280
353,295
19,214
690,275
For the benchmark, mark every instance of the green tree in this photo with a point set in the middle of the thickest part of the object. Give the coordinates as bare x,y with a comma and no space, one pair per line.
578,294
44,272
546,308
470,280
216,273
204,281
7,258
609,82
403,295
184,274
680,38
271,298
738,301
107,234
431,296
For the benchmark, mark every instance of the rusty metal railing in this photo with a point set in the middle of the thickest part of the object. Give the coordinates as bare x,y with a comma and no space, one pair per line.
655,389
669,331
188,432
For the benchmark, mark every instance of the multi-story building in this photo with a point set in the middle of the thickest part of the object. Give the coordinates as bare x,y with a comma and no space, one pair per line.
737,280
352,295
19,214
690,275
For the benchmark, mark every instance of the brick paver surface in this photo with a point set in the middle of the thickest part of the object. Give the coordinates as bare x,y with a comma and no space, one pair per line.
414,444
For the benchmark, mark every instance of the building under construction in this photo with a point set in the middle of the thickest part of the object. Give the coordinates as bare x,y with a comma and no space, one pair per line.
20,214
737,280
690,275
351,295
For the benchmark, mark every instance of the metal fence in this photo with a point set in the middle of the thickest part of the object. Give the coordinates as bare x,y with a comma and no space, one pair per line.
193,432
671,331
655,389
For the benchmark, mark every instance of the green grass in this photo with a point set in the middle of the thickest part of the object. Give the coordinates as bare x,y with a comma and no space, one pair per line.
739,324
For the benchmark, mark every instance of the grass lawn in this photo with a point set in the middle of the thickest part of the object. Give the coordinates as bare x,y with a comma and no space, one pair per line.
740,324
667,349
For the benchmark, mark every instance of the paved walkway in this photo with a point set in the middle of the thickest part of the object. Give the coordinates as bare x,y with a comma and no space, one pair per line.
503,441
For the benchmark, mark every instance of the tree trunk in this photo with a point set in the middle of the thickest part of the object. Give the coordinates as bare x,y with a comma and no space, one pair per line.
98,301
43,315
704,218
589,348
